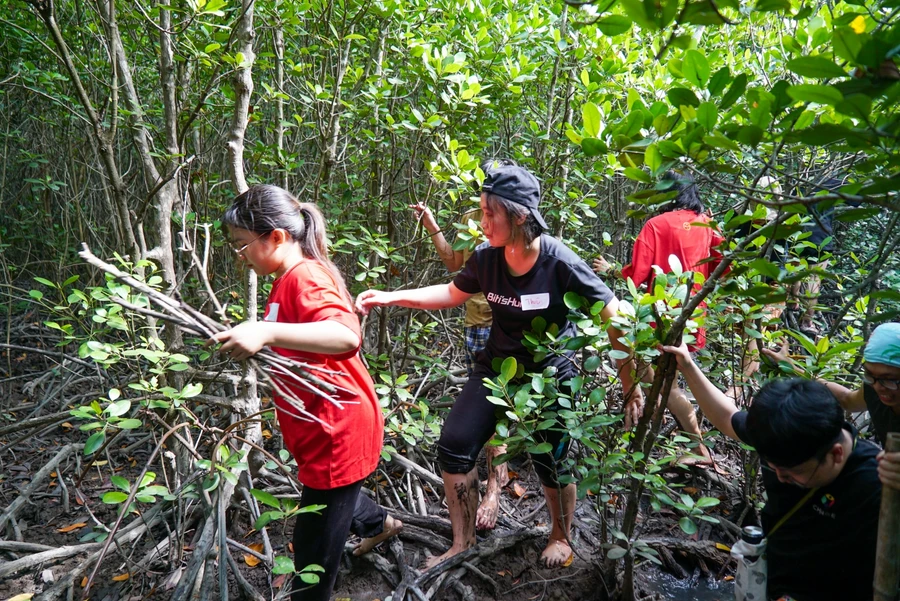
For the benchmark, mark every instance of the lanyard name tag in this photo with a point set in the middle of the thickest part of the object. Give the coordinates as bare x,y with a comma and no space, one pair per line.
534,302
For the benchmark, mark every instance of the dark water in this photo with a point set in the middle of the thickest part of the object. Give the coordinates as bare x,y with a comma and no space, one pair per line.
673,589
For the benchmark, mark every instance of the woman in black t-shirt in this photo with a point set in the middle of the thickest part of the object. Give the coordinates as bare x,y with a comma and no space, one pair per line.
523,274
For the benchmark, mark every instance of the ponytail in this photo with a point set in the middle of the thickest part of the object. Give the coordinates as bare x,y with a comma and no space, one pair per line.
264,208
314,243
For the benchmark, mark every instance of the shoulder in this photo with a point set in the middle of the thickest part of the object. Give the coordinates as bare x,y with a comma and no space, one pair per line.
486,252
310,269
865,452
861,472
311,274
557,251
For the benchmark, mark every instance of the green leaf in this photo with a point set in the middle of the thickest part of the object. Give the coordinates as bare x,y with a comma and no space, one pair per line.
816,67
857,106
687,525
616,553
695,68
638,175
613,25
592,363
113,497
118,408
283,565
823,133
120,482
265,518
541,449
719,80
129,424
735,91
95,441
265,498
591,115
703,502
707,115
508,369
766,268
211,482
573,300
593,147
537,384
847,43
772,6
819,94
652,158
679,96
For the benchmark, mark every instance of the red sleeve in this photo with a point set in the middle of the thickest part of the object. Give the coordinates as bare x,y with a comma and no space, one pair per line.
319,298
640,270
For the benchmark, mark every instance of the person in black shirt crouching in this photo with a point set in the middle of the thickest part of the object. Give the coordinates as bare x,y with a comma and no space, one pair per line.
821,481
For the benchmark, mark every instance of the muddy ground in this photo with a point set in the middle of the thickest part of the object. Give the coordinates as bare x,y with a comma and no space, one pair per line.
66,506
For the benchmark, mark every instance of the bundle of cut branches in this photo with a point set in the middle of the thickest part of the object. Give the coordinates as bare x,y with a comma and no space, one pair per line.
279,372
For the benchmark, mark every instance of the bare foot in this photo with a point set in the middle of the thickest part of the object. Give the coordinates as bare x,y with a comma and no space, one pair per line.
392,527
502,472
558,554
430,562
486,517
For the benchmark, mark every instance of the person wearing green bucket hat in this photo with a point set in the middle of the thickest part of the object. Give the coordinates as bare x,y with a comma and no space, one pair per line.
879,393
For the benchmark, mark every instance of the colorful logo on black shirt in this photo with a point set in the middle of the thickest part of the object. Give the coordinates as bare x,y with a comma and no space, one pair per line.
828,501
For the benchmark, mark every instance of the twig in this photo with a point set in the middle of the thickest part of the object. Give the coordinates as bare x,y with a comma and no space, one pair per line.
37,480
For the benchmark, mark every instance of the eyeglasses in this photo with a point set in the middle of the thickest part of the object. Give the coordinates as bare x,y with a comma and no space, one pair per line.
240,250
888,383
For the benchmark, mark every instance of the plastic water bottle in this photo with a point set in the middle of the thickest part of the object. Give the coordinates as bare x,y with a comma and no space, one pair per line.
751,575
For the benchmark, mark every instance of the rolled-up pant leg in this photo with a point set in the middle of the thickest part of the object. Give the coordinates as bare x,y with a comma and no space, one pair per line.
319,537
470,424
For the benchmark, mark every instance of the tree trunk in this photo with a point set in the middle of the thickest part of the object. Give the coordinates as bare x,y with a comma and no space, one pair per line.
101,139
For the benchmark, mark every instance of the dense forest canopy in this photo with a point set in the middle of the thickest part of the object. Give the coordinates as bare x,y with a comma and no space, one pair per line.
129,127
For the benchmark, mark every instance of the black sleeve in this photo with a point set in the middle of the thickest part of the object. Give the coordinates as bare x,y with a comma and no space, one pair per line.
585,282
467,279
739,424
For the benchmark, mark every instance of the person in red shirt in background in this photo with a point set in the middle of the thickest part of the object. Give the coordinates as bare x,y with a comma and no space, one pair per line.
309,317
678,230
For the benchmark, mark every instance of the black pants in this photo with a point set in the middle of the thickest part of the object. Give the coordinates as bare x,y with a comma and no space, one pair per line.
319,538
472,422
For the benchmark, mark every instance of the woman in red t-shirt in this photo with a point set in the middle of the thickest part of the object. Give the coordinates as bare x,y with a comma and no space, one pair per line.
680,230
309,317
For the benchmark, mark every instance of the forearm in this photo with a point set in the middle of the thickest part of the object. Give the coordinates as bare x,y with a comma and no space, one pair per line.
321,337
717,407
850,400
442,296
451,259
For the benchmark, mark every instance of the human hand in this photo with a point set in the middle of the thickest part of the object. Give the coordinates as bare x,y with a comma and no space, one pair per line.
601,266
681,352
372,298
889,469
634,410
424,214
242,341
779,355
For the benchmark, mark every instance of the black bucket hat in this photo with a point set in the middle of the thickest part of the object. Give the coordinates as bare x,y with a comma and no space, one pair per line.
516,185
